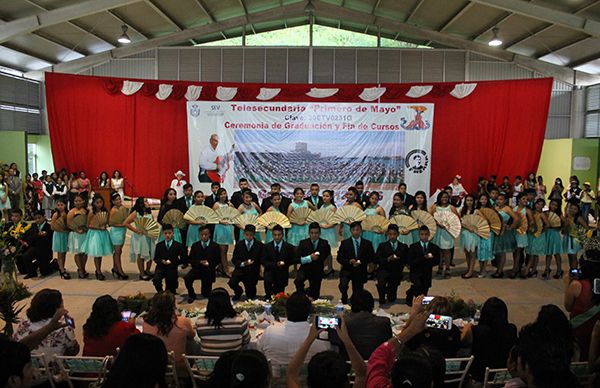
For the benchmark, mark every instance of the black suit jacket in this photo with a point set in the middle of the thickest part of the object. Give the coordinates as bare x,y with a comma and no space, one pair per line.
181,204
319,201
363,199
177,254
211,253
384,252
283,207
420,267
241,254
365,254
408,200
43,243
236,199
210,201
305,248
271,257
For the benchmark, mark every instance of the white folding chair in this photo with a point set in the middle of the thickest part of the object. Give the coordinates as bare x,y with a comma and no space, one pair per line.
199,367
457,370
496,377
89,369
41,370
171,374
581,370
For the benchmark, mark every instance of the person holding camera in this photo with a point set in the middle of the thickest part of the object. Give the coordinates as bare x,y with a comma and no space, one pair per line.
422,257
582,295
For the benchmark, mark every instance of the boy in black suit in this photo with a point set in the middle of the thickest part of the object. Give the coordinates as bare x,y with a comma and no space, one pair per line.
238,197
422,257
354,254
167,256
268,202
204,257
311,251
314,196
247,256
391,258
407,199
210,201
183,204
16,220
279,255
38,254
363,198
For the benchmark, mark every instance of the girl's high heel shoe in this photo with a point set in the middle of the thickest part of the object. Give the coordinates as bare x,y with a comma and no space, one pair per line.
118,275
546,274
100,276
65,275
532,274
144,277
558,274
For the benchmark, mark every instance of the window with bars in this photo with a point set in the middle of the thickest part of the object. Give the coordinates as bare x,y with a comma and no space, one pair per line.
592,111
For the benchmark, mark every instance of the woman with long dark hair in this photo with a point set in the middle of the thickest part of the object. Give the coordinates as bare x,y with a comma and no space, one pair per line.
77,236
168,202
554,243
60,236
485,248
468,239
521,236
117,237
443,238
97,241
223,231
573,225
505,242
104,331
142,247
103,180
117,183
537,239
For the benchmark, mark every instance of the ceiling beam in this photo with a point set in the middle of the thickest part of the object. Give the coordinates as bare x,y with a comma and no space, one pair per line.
128,24
278,13
156,8
414,11
208,13
559,72
456,17
545,14
59,15
584,60
550,50
490,26
44,58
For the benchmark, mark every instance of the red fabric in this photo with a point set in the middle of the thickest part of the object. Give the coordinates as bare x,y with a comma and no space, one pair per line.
498,129
107,345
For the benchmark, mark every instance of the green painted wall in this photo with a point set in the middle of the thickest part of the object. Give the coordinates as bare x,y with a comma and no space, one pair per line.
13,148
44,152
556,160
584,162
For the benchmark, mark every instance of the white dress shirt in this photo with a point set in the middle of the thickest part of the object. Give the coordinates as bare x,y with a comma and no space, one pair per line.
208,158
178,186
280,342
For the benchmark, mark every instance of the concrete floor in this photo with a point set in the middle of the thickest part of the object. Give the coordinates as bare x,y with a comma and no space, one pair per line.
524,297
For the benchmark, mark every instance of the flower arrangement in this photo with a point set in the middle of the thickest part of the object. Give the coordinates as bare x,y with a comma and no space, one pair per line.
462,308
137,303
11,290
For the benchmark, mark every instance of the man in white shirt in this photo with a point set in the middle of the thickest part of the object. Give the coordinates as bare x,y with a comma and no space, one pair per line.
211,160
279,343
178,183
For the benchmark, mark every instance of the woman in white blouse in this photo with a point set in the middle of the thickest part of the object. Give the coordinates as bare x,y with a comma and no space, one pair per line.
117,183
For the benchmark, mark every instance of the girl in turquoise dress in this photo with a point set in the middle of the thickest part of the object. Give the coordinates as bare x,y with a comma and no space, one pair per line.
485,253
117,237
298,232
4,200
329,232
193,230
60,237
505,242
374,210
275,204
97,242
248,207
468,239
573,222
420,204
398,209
351,200
77,237
553,244
522,239
168,203
443,238
142,247
223,231
537,244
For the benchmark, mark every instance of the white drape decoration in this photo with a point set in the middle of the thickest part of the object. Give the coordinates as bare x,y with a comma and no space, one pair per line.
268,93
164,91
463,90
322,93
371,94
131,87
226,94
193,92
419,91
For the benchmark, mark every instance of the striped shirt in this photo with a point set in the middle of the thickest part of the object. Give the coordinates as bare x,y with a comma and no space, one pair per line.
231,335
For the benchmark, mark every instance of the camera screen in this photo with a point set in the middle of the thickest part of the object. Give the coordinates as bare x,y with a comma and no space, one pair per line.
427,299
327,322
125,315
439,322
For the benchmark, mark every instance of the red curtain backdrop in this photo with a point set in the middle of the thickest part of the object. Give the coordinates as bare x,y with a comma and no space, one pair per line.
498,129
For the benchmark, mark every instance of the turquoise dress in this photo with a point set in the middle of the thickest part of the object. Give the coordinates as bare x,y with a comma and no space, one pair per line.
468,240
141,245
484,249
505,242
97,243
443,238
346,233
269,233
570,246
251,210
223,233
330,234
60,242
193,235
537,245
75,242
375,238
521,239
117,235
553,242
4,205
297,233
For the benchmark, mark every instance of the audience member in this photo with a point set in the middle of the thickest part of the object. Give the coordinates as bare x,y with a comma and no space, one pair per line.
221,329
556,322
105,331
163,322
142,363
250,369
280,342
366,330
15,365
491,340
221,374
327,369
43,307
